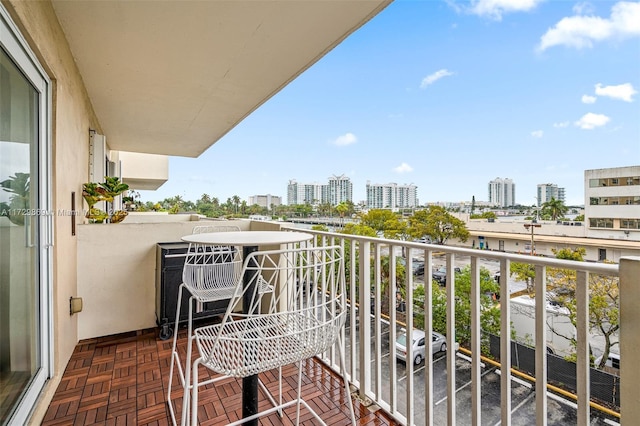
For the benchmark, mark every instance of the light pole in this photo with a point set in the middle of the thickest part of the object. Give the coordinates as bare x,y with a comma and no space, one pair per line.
532,226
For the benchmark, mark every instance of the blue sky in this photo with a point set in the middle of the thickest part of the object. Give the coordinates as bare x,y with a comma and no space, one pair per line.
446,95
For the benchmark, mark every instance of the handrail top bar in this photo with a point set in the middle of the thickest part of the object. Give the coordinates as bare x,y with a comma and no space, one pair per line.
592,267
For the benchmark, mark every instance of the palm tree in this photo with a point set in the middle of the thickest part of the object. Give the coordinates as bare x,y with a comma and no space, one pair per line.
554,208
342,208
236,202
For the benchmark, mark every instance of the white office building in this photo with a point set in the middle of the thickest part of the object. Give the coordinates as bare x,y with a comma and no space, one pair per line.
391,196
502,192
612,203
267,200
547,191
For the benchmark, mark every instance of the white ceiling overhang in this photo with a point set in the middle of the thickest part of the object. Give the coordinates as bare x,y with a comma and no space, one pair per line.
173,77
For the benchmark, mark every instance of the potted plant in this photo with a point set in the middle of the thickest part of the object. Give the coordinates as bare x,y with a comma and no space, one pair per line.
93,193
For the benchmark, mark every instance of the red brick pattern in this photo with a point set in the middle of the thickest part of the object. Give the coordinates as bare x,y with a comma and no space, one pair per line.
123,379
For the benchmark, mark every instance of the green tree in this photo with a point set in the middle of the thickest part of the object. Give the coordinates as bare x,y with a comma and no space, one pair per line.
385,274
236,202
342,209
523,272
489,310
379,219
173,204
325,209
435,222
359,229
554,208
604,298
484,215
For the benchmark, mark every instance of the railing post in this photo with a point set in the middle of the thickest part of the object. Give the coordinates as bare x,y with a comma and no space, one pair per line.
505,344
476,344
540,283
582,348
629,339
451,342
364,318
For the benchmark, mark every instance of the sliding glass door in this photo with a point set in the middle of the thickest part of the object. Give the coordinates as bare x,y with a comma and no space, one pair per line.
24,229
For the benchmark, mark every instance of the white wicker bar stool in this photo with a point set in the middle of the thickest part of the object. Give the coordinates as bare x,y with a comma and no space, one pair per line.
304,316
210,274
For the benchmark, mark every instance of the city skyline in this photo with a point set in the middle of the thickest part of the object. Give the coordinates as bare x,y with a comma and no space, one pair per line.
445,95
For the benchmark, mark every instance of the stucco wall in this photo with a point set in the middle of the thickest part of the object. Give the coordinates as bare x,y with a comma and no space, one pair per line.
72,117
117,272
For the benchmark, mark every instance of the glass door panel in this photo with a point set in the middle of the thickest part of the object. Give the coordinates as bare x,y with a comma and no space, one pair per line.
20,299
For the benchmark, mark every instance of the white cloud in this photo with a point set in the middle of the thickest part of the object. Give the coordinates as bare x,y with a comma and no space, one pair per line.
590,121
586,99
583,8
346,139
537,133
403,168
623,92
494,9
561,124
581,31
430,79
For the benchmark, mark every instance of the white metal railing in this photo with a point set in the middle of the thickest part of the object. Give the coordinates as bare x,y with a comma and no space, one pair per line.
367,355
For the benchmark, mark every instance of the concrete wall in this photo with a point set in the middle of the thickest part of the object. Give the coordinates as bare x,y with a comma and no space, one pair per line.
72,117
517,227
117,272
551,235
143,171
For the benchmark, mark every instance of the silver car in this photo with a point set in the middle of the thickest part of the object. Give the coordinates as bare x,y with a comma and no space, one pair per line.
438,344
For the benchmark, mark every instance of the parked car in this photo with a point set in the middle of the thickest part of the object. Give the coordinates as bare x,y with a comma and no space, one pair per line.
416,264
440,275
438,344
418,267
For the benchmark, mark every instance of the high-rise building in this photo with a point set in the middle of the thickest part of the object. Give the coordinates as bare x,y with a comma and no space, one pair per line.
547,191
502,192
306,193
391,196
267,200
340,189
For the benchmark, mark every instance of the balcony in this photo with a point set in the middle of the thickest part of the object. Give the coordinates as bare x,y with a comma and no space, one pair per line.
452,387
123,379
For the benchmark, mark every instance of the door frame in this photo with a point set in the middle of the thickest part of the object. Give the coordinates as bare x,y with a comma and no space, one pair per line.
17,48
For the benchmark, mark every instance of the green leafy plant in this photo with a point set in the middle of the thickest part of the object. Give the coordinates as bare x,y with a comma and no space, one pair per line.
94,193
18,186
113,187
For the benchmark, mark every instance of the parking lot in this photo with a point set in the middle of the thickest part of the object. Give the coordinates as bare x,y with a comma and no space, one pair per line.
560,410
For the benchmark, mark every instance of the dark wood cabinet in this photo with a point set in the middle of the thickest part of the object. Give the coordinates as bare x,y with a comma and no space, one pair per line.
170,259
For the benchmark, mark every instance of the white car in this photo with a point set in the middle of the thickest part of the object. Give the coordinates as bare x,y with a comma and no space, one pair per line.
438,344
